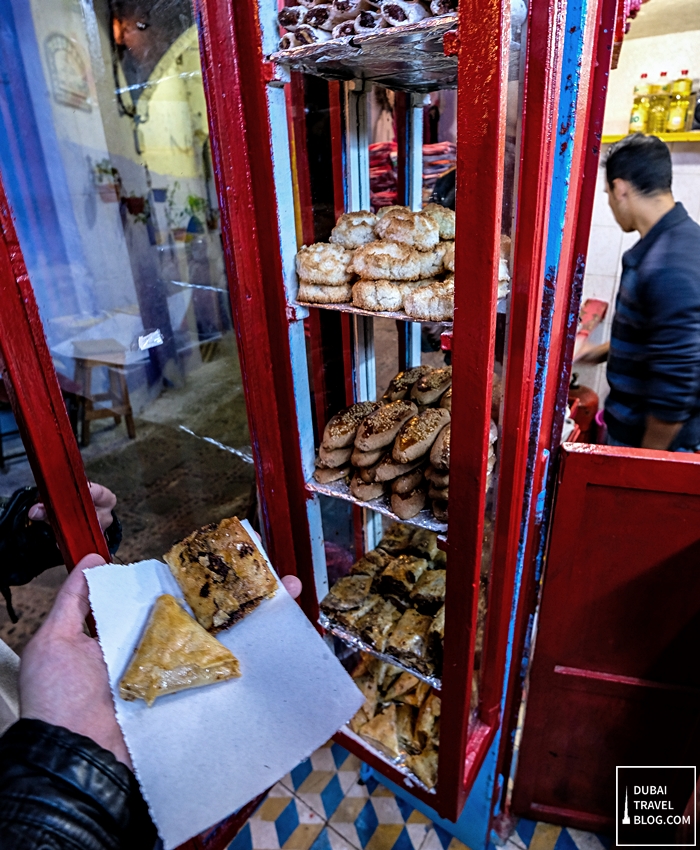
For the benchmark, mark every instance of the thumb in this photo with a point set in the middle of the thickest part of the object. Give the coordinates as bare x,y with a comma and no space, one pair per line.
72,603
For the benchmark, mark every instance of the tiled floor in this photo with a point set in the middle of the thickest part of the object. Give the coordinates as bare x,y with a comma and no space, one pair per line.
324,805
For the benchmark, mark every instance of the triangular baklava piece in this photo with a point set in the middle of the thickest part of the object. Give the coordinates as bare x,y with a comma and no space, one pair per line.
175,653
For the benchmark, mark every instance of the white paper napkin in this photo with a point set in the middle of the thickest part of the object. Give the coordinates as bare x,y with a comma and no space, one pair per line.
201,754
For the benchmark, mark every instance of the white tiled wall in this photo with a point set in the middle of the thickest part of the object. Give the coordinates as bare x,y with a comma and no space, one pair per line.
608,243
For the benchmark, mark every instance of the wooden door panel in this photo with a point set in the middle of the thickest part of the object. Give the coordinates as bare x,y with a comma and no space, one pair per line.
615,677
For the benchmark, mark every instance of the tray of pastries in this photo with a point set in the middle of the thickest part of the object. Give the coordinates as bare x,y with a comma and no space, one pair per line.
392,602
400,718
395,262
396,451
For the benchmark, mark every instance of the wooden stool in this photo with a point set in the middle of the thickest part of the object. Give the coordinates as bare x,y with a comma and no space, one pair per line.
117,394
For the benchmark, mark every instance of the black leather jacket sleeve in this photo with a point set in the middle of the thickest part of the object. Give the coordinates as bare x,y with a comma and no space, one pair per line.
61,791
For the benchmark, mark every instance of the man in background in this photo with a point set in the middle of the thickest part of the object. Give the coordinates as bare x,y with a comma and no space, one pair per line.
654,350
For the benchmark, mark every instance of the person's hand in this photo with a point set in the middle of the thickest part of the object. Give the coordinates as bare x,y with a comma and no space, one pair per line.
63,677
103,499
292,585
592,354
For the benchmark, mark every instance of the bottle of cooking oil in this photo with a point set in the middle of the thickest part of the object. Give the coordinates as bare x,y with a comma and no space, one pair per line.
679,103
659,104
639,118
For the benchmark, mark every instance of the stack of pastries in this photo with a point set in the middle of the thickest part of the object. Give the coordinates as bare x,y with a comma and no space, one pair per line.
389,261
398,447
315,22
393,603
383,447
394,260
400,717
393,599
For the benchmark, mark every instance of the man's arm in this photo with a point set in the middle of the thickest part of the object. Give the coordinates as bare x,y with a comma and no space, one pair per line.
660,434
593,354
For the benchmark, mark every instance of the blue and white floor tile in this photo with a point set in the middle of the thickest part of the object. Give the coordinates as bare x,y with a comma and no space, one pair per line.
323,805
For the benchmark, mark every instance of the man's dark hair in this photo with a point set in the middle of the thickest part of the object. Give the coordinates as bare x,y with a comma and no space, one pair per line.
644,161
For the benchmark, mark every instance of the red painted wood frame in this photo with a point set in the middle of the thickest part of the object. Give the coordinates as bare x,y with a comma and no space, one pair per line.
538,140
614,678
30,380
234,83
592,96
484,35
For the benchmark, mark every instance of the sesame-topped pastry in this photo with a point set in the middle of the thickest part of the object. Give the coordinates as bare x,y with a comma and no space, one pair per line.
440,453
333,458
379,428
364,460
341,429
401,385
418,434
324,263
407,482
408,505
389,469
431,386
354,229
409,228
446,400
327,476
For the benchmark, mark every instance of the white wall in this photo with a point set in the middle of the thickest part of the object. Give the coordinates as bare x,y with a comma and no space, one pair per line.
608,243
671,52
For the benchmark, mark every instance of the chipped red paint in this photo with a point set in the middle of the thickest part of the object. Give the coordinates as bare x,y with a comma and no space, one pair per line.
579,215
234,83
541,86
484,28
30,380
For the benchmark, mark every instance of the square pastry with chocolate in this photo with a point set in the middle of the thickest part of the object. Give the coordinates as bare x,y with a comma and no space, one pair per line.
409,641
221,573
429,593
400,576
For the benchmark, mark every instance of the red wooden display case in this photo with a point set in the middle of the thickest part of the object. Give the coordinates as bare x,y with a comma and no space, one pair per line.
256,106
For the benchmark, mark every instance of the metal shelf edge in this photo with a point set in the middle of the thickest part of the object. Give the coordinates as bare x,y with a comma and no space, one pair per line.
358,643
340,490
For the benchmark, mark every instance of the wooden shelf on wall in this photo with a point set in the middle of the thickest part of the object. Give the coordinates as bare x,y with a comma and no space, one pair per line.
690,136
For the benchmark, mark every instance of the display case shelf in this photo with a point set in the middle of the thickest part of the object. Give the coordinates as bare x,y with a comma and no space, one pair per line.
409,58
382,314
688,136
409,778
358,643
340,490
349,308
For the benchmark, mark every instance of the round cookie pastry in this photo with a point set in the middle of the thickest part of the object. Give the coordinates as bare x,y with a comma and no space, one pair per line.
316,293
377,295
433,262
413,229
407,505
354,229
443,217
325,264
434,303
382,211
386,261
449,258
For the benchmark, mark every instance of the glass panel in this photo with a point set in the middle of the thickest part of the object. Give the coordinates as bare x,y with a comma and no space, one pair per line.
398,122
106,156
